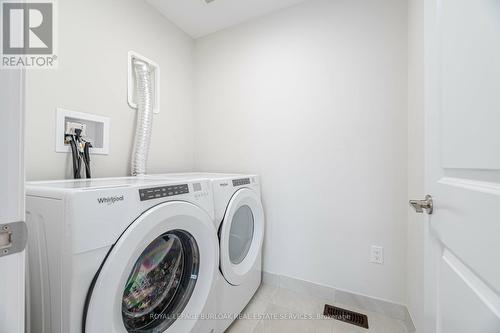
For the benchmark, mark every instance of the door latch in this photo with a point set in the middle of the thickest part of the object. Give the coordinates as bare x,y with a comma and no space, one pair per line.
13,238
421,206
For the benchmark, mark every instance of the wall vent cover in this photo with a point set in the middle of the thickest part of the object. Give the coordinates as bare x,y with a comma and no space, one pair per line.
346,316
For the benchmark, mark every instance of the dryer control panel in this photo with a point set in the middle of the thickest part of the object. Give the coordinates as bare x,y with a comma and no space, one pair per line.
241,182
162,191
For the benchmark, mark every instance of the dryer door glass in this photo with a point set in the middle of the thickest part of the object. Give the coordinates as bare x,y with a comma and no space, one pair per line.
161,283
241,234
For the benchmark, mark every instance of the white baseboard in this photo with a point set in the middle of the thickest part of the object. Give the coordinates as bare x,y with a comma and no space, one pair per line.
388,308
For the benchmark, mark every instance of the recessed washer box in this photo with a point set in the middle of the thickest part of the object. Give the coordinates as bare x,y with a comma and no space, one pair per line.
96,130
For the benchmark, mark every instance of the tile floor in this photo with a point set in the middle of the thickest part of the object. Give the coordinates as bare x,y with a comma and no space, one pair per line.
271,303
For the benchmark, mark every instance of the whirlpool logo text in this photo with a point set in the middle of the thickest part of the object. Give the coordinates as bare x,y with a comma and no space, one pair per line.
110,200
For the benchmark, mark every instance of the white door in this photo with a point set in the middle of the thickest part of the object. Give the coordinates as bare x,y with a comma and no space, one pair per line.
12,229
159,276
241,235
462,270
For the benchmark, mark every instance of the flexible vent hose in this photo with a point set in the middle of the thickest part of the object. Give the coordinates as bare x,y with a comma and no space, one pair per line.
144,117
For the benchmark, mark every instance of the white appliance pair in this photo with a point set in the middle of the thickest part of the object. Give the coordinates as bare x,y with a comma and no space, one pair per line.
239,220
142,254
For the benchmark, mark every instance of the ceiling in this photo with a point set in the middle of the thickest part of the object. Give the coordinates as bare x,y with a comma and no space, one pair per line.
198,18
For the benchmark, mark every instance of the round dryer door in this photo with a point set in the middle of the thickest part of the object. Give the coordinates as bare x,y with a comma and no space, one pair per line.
158,276
241,236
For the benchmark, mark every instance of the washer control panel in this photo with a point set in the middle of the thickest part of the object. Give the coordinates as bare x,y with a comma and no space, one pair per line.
162,191
241,182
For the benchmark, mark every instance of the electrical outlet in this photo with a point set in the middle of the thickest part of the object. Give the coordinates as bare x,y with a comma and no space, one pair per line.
377,255
72,126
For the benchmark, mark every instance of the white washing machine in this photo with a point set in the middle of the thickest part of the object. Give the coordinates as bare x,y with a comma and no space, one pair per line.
239,219
122,255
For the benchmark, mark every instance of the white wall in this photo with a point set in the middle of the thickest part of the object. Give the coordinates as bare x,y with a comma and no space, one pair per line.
314,99
94,38
416,160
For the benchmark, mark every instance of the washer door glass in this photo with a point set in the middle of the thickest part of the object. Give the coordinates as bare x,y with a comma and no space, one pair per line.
161,283
241,234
